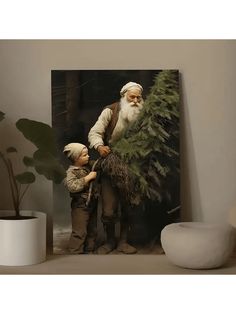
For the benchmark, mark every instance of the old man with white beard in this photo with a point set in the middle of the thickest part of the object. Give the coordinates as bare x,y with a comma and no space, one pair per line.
109,127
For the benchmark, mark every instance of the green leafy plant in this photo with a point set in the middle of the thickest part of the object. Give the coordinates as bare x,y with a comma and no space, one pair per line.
145,161
43,161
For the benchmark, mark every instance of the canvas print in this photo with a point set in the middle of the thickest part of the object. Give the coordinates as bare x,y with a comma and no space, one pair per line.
117,135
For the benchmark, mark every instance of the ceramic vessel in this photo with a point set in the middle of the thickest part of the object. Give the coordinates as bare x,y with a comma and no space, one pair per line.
198,245
22,242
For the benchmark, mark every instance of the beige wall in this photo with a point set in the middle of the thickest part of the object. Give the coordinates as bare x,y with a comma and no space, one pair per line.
208,132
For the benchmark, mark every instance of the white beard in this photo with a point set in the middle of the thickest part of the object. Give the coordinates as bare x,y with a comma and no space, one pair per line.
128,113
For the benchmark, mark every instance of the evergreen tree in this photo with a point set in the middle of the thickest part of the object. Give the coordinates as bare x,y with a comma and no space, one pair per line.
144,163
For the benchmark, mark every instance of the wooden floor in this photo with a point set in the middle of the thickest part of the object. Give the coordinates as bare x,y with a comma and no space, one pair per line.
111,264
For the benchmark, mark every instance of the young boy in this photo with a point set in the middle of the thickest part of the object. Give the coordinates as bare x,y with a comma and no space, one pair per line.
77,181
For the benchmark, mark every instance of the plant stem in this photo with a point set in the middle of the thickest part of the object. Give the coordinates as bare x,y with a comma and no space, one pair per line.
11,179
22,195
17,196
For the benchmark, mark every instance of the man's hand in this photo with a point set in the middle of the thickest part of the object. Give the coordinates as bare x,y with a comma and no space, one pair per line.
103,150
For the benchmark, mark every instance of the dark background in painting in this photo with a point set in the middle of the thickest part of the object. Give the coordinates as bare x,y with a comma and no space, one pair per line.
78,97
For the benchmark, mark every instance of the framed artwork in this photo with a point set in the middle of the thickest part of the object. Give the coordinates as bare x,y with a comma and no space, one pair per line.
136,188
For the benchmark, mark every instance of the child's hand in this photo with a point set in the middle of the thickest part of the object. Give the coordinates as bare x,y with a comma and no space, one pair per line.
91,176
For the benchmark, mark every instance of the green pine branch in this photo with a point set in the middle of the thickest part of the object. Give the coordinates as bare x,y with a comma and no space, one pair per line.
150,146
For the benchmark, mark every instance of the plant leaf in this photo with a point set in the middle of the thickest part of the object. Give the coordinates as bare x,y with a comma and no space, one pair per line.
25,177
2,115
40,134
11,150
47,165
28,161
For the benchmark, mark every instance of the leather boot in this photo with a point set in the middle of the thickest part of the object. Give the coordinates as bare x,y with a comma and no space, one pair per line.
110,244
123,245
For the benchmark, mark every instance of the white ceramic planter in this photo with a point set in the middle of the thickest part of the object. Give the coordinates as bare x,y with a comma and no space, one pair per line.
198,245
23,242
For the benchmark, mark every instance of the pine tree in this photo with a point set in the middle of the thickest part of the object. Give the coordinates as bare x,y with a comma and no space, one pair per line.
144,163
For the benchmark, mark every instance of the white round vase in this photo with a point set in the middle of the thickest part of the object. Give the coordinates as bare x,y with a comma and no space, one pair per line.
22,242
198,245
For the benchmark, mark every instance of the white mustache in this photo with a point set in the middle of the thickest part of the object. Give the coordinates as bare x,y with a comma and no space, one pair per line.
133,104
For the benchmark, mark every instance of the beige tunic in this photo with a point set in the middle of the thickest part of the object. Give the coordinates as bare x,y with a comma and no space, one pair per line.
97,132
74,180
